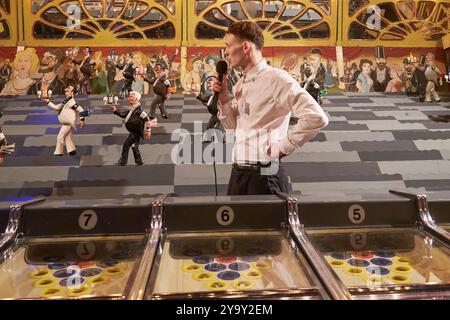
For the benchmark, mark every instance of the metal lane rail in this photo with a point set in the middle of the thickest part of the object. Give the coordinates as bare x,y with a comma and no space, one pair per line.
424,221
137,284
15,215
335,288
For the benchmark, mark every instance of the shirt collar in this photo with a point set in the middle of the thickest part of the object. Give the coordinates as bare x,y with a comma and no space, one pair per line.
255,70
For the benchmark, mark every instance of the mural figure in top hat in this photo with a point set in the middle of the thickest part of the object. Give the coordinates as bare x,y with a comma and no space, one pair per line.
381,75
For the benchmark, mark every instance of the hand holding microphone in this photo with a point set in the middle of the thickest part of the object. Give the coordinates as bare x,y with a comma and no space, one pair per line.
219,85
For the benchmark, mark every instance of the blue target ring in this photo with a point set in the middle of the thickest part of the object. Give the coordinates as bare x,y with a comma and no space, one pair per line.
377,270
71,281
239,266
341,256
228,275
108,263
91,272
202,260
58,266
381,262
64,273
215,267
358,263
385,254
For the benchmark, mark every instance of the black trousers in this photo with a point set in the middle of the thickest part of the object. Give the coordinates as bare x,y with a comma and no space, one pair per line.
158,101
245,182
133,143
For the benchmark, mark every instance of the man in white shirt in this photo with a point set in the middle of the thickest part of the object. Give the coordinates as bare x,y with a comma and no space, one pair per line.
264,100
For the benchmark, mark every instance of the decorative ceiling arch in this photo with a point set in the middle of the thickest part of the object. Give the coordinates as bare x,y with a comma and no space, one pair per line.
284,22
103,22
8,23
399,23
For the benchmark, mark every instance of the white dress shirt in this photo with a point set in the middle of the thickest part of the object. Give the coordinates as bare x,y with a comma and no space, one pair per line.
264,100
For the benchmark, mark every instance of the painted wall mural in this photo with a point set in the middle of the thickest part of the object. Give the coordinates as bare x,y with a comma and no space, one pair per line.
41,69
363,69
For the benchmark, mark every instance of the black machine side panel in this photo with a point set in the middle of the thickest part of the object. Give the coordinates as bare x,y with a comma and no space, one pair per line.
440,211
348,212
200,214
100,217
268,245
439,206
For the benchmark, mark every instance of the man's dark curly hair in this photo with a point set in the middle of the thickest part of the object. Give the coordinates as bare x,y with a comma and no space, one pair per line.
246,30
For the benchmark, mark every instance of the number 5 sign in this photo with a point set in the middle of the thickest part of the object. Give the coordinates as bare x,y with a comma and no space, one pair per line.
356,214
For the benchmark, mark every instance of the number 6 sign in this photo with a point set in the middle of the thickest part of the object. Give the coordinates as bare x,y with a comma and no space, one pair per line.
225,216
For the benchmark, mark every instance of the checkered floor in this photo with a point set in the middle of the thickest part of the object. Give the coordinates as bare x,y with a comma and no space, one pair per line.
373,143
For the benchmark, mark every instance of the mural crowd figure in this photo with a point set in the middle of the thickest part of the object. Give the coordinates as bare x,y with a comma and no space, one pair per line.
25,67
49,81
381,75
6,72
86,69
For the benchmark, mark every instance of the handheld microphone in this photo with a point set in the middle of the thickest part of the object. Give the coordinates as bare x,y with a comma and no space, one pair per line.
221,69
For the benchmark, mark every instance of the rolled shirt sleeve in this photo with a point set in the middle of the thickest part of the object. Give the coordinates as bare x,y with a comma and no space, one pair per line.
311,117
227,114
56,107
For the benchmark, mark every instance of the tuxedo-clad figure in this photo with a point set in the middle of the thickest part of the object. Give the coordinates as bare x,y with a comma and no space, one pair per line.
87,70
71,75
137,122
6,72
409,67
111,71
432,73
419,80
4,147
68,112
50,81
164,60
3,141
381,75
315,62
129,72
214,122
311,85
161,87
